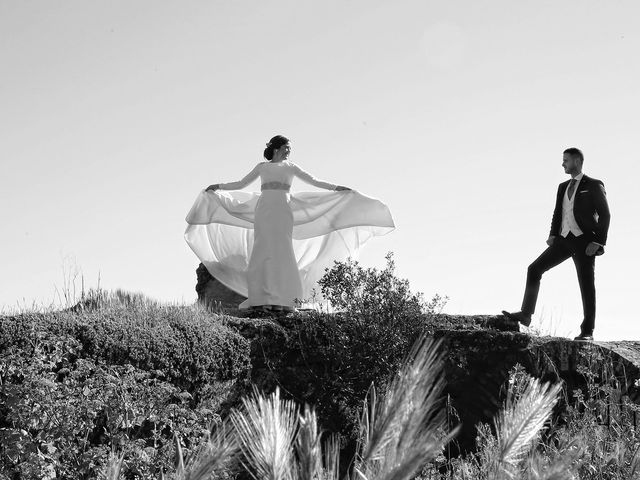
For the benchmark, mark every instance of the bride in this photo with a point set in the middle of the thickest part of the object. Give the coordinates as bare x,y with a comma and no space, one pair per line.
272,247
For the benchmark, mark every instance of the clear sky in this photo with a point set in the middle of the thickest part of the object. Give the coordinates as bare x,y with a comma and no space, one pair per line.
114,114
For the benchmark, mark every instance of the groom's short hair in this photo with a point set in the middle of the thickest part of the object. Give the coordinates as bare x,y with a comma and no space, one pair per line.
575,153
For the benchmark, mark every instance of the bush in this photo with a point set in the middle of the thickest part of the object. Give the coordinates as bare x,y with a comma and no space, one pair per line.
331,360
191,347
61,415
383,317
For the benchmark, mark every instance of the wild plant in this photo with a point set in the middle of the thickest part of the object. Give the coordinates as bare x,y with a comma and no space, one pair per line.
510,448
603,419
400,431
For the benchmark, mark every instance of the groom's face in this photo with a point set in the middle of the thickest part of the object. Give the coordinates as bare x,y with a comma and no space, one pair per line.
570,164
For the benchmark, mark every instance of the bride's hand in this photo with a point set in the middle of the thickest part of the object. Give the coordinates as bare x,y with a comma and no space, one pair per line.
213,187
340,188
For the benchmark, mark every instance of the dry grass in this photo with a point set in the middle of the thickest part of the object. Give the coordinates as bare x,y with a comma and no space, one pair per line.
212,458
266,430
403,431
521,420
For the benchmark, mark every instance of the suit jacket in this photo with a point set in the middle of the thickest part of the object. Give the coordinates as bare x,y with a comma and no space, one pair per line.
590,208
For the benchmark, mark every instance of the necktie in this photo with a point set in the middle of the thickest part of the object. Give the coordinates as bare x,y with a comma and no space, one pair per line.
572,187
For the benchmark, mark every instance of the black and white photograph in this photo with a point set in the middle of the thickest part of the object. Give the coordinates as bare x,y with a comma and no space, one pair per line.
319,240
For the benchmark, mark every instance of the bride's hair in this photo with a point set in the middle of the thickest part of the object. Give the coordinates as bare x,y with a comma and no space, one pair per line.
274,144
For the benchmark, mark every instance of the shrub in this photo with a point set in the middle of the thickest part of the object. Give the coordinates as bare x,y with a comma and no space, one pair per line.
331,360
378,312
61,415
191,347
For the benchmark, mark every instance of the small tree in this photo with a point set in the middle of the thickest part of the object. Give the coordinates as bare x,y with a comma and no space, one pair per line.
377,299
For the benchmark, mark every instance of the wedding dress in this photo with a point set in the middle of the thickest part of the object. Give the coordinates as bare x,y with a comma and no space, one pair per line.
273,246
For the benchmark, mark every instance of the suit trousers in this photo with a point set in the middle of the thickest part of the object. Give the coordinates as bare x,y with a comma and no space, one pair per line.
562,249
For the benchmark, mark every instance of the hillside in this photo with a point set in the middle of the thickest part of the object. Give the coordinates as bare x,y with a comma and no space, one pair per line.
133,374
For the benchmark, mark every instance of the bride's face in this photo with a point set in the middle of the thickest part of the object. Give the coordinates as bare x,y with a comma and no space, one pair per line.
282,153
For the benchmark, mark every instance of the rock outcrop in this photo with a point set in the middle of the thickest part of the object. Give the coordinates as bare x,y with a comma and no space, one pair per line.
480,352
478,365
213,293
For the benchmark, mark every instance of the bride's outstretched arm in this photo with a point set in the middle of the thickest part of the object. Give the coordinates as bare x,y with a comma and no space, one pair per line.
250,177
310,179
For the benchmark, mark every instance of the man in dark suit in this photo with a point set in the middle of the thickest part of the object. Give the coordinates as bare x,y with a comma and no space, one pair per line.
578,230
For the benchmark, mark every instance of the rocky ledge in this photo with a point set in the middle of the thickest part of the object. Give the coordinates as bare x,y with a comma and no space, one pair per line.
480,352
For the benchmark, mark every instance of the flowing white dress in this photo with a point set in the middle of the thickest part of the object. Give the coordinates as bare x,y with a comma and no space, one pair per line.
273,247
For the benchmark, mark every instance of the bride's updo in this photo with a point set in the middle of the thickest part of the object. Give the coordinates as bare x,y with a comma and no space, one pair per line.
274,144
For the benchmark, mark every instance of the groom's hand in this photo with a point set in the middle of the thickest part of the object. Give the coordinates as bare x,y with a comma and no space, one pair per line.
212,187
551,239
592,249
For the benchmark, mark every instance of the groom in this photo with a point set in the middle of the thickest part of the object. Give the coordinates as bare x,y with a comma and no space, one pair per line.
578,230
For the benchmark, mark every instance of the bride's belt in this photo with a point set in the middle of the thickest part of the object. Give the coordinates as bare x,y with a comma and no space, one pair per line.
275,186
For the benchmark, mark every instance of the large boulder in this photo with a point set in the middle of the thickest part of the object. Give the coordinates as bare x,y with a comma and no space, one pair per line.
212,293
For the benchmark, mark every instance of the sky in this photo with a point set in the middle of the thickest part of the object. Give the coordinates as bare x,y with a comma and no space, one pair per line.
114,115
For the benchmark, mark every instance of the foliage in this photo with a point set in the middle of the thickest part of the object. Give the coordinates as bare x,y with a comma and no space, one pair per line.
407,426
371,296
330,360
119,386
192,347
400,432
62,415
605,421
577,443
380,317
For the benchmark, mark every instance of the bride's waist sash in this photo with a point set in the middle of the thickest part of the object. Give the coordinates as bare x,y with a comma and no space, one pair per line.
275,186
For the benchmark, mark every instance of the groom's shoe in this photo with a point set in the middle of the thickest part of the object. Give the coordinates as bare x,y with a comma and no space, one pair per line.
521,317
583,337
